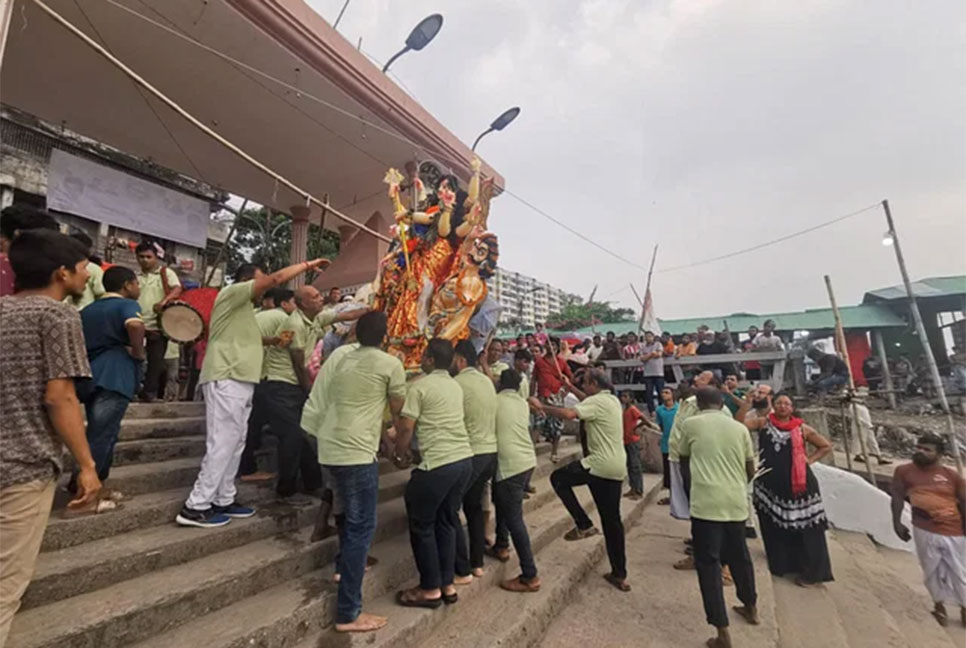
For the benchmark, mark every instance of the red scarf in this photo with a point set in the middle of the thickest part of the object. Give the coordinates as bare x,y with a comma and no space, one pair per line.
799,459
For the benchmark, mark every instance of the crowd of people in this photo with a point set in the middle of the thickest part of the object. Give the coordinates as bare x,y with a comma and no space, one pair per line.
313,371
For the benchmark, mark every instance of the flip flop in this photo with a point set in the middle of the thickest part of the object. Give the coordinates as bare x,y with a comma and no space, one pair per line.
577,534
503,555
405,598
617,582
941,617
449,599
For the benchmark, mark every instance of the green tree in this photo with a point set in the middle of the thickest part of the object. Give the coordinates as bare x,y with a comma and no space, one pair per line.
579,315
264,236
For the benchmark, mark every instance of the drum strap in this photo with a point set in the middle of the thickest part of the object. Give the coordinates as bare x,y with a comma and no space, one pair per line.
164,280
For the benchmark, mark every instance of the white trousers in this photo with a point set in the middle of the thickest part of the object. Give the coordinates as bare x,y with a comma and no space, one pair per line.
227,406
943,562
866,429
680,505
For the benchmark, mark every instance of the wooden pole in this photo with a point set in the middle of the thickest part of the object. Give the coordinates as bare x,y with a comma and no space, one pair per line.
647,287
924,339
886,372
843,349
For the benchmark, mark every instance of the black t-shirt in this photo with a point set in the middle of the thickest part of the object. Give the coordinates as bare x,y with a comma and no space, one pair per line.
712,349
832,365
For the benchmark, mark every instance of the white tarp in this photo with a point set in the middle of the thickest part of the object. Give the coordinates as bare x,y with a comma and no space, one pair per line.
853,504
79,186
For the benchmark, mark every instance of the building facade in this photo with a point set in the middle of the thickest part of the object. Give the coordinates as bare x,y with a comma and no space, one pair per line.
526,300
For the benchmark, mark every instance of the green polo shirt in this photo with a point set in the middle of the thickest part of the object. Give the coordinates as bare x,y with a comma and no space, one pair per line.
234,343
268,322
315,406
152,292
719,448
479,409
688,408
361,383
435,402
515,453
278,360
604,420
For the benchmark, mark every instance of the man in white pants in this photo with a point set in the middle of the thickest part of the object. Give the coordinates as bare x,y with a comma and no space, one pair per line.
937,495
867,429
232,368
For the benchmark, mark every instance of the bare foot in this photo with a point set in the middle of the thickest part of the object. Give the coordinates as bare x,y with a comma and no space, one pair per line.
260,476
363,623
463,580
477,572
748,612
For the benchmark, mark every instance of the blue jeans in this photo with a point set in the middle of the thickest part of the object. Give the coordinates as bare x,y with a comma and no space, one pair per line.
104,413
829,383
359,488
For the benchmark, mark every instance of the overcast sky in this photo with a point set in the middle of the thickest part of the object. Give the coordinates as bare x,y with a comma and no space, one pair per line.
705,127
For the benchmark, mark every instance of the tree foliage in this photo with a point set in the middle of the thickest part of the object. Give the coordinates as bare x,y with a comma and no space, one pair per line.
579,315
264,236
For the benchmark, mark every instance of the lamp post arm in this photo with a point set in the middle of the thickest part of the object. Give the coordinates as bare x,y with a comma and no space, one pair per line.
385,68
486,132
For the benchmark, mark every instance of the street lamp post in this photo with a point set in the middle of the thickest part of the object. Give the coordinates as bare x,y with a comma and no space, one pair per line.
499,123
921,332
419,37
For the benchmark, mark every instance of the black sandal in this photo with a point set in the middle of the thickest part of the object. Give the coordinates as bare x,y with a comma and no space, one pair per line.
449,599
406,599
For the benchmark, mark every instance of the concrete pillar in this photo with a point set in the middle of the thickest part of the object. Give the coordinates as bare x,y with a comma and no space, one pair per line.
886,372
300,240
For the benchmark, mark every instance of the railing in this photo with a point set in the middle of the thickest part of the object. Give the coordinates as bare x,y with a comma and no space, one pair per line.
773,360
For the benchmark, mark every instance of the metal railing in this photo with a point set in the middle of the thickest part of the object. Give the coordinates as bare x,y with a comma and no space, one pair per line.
773,365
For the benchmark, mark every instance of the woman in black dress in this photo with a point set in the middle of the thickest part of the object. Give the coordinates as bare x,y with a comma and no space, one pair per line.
787,498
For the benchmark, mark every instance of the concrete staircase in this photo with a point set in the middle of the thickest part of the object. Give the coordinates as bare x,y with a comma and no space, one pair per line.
132,577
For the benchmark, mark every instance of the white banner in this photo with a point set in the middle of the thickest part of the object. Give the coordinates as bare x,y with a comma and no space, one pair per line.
79,186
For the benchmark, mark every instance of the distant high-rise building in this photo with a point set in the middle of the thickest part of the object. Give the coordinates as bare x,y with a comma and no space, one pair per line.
526,299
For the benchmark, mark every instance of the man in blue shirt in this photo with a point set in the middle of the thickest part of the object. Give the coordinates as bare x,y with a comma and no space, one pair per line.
114,335
665,418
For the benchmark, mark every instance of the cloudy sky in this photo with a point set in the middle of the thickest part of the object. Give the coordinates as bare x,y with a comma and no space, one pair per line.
706,127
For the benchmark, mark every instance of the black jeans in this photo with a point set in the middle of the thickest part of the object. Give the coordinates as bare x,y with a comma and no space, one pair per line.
256,422
283,406
508,499
635,473
666,466
652,391
155,347
432,504
607,496
484,468
716,544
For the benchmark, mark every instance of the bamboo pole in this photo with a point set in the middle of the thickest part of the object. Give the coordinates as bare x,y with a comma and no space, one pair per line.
198,123
924,339
886,372
647,287
840,338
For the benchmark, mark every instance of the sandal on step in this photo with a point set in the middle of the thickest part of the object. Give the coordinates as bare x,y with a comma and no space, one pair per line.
619,583
410,598
578,534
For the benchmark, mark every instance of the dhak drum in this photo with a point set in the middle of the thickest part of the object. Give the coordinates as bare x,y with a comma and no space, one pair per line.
181,322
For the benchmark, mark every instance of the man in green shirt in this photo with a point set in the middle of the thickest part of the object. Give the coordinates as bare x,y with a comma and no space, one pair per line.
359,384
277,305
286,387
722,462
434,413
159,286
479,417
603,469
94,288
516,460
232,367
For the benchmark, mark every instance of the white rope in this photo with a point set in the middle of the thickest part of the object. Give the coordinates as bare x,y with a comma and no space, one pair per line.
201,126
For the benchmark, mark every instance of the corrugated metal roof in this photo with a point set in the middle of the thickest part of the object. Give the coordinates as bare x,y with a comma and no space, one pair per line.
865,316
929,287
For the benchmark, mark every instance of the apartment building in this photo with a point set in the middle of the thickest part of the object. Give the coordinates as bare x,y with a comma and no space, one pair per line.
526,299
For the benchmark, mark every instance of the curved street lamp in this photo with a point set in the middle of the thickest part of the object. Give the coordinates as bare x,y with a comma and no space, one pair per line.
419,37
499,123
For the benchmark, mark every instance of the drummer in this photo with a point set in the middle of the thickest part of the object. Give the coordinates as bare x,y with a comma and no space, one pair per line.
159,286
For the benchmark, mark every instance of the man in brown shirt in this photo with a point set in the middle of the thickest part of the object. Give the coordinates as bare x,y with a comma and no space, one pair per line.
41,353
937,495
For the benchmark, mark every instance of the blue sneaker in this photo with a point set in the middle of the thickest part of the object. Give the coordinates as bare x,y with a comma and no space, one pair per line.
206,519
234,510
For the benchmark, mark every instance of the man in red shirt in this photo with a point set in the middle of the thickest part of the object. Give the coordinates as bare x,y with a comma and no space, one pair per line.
634,422
552,376
937,495
17,218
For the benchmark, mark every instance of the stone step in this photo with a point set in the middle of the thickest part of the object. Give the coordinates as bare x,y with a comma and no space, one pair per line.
135,479
84,568
499,618
807,617
866,622
160,428
280,616
138,512
161,600
894,579
162,410
151,450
